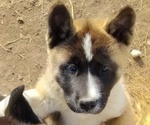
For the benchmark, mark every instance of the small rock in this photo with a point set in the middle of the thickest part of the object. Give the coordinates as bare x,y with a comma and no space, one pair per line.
20,77
3,15
29,9
148,42
10,48
136,53
20,20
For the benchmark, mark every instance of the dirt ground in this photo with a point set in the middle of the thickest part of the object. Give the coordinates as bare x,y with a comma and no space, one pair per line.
23,47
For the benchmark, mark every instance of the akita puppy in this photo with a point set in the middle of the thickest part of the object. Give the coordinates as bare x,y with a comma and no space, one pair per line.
84,79
18,110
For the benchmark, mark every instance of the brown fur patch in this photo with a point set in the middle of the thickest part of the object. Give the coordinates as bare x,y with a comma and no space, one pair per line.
2,97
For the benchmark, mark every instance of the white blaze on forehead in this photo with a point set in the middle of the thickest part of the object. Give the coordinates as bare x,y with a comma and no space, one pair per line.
93,88
87,46
93,92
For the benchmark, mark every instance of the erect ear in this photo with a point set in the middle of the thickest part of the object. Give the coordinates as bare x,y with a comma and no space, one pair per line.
60,25
121,27
19,109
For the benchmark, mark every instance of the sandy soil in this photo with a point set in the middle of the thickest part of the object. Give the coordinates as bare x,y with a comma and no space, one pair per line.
23,47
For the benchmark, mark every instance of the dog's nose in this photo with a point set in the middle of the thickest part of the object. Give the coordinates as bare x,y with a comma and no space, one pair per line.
87,105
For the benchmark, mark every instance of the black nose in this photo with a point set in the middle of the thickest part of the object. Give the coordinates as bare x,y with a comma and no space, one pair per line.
87,105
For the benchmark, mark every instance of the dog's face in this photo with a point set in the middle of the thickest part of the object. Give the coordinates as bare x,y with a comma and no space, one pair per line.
84,56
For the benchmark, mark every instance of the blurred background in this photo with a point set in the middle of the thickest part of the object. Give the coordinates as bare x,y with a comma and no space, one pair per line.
23,24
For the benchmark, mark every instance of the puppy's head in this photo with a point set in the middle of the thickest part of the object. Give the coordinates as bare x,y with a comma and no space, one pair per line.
84,56
19,110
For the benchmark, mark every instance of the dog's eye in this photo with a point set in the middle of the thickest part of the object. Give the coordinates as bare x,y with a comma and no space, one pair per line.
106,68
72,69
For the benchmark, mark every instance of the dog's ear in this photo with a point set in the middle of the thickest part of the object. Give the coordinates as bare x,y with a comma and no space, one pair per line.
121,26
60,25
18,108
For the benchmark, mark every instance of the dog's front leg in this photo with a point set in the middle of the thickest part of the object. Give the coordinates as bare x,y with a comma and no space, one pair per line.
127,118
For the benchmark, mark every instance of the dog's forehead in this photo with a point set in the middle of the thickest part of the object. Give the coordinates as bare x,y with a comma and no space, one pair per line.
89,41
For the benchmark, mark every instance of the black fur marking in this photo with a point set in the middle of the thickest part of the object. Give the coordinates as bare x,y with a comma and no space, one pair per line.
66,76
107,77
121,26
60,25
19,108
